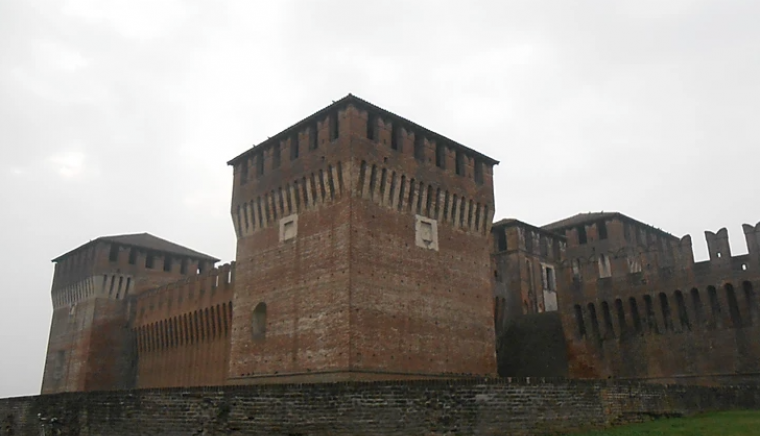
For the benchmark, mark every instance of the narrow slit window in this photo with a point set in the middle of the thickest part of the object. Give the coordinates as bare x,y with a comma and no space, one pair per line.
244,172
699,311
609,330
314,136
419,147
751,302
334,126
260,164
621,316
501,238
294,147
601,227
276,155
113,254
582,239
478,172
579,321
440,156
712,294
683,314
395,137
635,314
371,127
666,315
594,321
459,163
651,319
733,306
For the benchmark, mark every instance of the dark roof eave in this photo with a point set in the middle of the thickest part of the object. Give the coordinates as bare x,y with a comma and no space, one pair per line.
620,215
199,256
350,98
511,222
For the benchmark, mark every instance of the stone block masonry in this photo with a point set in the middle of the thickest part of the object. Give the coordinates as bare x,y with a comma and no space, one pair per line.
423,407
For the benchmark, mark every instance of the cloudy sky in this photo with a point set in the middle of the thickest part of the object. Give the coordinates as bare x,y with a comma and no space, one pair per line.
119,116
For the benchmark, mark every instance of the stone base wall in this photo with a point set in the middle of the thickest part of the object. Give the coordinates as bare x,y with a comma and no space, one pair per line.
423,407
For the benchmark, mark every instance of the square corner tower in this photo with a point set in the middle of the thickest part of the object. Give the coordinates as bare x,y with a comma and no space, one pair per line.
363,252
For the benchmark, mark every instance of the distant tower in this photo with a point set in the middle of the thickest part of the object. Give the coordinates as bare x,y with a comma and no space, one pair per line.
91,346
363,252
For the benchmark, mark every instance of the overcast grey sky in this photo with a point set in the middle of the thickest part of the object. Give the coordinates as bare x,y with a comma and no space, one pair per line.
119,116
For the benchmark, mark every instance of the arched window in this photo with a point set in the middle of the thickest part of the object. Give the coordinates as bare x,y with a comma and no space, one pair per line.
579,321
635,314
699,311
665,308
712,293
651,319
259,322
683,315
609,330
733,306
621,317
594,320
751,301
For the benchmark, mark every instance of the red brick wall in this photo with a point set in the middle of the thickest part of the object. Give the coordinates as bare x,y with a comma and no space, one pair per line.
679,340
182,331
336,304
91,345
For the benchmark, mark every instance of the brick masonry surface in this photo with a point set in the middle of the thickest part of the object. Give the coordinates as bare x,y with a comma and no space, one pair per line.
424,407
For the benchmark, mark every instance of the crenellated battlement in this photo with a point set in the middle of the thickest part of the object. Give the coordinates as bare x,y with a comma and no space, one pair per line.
221,277
752,236
667,258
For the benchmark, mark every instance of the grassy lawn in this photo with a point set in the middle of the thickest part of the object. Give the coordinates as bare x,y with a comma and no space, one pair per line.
739,423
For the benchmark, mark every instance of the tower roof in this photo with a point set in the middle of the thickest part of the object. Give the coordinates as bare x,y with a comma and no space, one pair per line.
147,241
356,101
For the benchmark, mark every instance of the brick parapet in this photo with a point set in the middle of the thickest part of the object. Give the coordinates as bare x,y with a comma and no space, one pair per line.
465,406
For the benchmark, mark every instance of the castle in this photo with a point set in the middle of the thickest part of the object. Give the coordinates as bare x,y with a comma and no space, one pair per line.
366,250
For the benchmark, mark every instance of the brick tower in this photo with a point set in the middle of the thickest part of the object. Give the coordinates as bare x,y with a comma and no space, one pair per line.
363,252
91,345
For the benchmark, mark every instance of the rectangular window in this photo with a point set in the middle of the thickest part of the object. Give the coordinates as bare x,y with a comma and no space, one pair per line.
440,156
183,266
502,240
244,172
167,263
113,255
334,126
460,163
582,235
601,227
550,279
395,137
149,260
314,136
371,127
132,256
294,147
276,152
419,147
260,164
478,172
